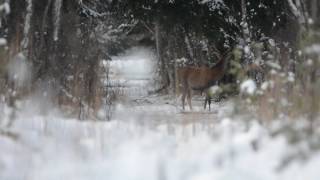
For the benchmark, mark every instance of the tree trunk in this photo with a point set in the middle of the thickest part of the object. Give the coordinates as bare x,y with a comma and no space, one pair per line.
164,78
314,11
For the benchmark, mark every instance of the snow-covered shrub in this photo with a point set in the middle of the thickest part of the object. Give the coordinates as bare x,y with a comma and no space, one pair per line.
282,92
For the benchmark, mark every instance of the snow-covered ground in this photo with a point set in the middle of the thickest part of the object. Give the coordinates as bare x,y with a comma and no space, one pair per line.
174,146
149,138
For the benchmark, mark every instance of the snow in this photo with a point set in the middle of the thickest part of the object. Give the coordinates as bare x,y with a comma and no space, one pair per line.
273,65
213,4
314,49
56,18
5,7
267,84
294,9
247,49
291,77
248,87
214,90
52,147
3,42
27,22
216,2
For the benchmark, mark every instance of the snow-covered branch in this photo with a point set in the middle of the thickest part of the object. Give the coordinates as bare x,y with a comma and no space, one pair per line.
296,9
27,24
5,7
56,20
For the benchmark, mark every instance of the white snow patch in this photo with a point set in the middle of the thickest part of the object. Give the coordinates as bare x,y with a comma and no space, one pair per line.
213,4
3,42
267,84
215,89
247,49
291,77
5,7
314,49
212,1
273,65
248,87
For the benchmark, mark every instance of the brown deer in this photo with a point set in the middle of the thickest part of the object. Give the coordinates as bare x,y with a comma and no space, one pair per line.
200,78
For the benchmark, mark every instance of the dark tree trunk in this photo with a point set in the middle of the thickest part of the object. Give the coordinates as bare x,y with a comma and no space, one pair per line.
314,11
163,71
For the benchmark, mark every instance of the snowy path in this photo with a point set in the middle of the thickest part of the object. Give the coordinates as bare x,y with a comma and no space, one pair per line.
133,71
148,139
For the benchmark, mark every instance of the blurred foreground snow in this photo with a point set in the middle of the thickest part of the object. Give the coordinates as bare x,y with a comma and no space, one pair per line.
186,146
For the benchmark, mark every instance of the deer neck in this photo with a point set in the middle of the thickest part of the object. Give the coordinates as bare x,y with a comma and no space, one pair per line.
221,65
217,71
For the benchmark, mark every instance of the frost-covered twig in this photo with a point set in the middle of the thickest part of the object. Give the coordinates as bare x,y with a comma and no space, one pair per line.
27,22
56,20
296,9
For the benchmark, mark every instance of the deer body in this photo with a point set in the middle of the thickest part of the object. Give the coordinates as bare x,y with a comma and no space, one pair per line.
199,78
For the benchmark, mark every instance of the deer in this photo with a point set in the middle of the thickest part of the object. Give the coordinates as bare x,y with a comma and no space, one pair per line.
200,78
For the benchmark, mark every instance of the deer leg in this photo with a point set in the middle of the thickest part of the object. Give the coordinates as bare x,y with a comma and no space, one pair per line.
207,99
209,102
205,102
183,97
189,98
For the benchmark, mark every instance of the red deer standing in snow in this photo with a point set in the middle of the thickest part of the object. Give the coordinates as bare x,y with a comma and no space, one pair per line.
200,78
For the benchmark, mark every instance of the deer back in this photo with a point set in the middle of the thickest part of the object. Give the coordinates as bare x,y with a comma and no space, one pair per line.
200,78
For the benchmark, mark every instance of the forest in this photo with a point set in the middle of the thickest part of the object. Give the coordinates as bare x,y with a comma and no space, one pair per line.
159,89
